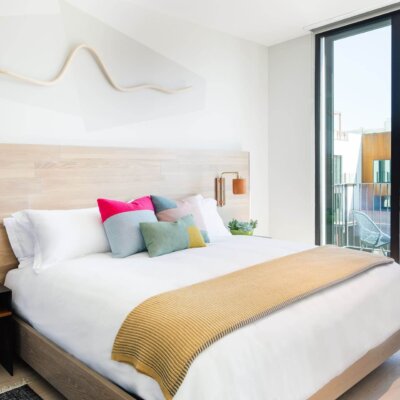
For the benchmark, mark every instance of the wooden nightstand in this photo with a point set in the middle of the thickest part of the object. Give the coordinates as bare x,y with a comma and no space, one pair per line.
6,330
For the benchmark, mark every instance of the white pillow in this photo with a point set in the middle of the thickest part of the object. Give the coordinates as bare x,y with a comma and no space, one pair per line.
214,224
196,209
20,234
61,235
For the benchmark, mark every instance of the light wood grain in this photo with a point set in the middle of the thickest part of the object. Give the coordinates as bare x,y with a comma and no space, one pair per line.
57,177
5,314
381,384
68,375
361,368
375,146
24,375
7,258
74,380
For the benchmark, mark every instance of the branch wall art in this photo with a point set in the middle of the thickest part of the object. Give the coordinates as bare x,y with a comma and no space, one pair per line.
103,68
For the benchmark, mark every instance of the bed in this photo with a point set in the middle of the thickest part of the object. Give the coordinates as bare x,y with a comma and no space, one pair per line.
68,316
80,305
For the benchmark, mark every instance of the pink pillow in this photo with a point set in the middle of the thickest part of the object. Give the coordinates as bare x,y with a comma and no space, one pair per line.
121,222
169,210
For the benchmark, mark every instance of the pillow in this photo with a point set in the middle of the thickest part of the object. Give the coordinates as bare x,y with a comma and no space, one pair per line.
61,235
166,237
214,224
121,222
20,235
168,210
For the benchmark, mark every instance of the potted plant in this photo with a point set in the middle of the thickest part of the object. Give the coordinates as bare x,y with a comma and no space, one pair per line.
242,228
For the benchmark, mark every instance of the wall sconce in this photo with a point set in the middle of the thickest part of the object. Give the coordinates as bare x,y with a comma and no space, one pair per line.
238,187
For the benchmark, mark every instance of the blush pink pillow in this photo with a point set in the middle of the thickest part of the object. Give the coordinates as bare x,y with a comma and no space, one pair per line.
168,210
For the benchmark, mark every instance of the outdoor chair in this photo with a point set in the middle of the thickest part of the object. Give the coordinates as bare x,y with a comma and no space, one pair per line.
371,236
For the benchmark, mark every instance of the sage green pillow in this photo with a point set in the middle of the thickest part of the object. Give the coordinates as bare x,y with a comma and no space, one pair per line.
166,237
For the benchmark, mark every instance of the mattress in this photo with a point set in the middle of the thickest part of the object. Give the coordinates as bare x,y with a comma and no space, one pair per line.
81,304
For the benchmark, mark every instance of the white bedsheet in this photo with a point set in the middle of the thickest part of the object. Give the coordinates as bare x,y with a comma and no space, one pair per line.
81,304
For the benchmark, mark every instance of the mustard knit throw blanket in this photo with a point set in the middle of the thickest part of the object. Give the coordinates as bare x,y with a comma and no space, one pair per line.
162,336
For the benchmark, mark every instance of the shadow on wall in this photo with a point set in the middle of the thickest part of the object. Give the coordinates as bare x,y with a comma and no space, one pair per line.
85,92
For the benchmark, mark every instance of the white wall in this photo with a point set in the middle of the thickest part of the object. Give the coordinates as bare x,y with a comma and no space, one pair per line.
227,108
291,140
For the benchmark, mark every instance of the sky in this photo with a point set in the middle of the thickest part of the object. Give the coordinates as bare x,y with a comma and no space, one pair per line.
362,78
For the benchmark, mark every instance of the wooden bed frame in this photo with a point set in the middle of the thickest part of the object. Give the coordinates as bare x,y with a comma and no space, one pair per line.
54,177
76,381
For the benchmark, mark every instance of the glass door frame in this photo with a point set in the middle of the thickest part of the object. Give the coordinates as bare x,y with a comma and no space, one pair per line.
324,104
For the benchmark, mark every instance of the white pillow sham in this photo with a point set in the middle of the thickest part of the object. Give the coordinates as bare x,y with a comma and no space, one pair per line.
62,235
20,234
209,213
214,224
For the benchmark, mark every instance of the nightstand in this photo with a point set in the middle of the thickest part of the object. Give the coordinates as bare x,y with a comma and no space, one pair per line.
6,330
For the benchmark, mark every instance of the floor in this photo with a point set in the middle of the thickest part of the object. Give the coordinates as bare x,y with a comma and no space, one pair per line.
23,374
382,384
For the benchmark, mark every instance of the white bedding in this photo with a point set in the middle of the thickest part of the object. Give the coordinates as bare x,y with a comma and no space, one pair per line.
81,304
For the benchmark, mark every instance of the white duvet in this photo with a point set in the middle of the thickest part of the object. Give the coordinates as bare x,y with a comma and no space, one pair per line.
81,304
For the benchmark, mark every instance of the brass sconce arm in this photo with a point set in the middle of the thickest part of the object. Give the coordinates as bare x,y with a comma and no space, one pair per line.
230,173
238,187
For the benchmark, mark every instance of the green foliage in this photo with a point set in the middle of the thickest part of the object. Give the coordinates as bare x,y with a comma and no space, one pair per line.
236,225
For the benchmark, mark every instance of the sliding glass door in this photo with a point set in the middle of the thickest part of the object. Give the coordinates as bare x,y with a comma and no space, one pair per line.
355,155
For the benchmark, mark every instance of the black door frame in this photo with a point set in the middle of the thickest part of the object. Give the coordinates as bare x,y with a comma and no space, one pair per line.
395,133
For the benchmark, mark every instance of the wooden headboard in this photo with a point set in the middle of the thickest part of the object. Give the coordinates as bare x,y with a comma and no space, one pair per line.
56,177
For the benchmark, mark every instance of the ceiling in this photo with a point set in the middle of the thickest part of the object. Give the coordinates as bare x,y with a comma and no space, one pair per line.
263,21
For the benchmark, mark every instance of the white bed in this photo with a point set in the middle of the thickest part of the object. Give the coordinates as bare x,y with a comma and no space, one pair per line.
81,304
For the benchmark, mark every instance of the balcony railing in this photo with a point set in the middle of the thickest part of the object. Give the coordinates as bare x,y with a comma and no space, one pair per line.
371,198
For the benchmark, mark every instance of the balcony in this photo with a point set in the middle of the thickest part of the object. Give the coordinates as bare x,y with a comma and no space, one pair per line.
373,199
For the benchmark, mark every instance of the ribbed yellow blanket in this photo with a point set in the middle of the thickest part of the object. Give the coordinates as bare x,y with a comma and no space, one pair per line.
163,335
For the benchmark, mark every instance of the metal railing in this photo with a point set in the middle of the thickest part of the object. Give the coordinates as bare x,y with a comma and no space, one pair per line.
371,198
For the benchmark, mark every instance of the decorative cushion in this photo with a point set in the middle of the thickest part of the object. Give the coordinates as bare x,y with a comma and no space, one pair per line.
121,222
166,237
168,210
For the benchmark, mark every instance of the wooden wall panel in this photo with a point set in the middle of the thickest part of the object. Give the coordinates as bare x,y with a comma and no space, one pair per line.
375,146
54,177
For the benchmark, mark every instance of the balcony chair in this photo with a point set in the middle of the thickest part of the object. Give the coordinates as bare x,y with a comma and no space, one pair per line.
371,236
